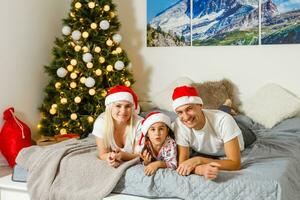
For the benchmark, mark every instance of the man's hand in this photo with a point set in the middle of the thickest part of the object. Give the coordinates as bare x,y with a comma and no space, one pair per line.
209,171
186,167
151,168
145,155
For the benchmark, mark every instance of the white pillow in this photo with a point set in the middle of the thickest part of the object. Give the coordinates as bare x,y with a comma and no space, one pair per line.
163,99
271,104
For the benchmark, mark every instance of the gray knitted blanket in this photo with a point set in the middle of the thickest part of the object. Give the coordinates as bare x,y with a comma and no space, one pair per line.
69,170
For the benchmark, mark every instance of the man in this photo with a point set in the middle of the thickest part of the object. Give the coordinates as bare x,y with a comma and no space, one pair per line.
209,132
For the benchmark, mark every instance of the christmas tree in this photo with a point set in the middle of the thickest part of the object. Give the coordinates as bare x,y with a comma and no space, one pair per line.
88,60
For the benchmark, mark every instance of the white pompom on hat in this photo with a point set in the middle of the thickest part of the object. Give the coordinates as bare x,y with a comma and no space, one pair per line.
121,93
183,95
151,119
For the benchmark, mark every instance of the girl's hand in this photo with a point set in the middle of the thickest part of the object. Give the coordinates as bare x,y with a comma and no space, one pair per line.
146,157
151,168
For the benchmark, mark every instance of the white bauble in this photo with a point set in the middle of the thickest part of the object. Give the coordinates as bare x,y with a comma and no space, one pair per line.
61,72
117,38
87,57
89,82
76,35
119,65
104,24
66,30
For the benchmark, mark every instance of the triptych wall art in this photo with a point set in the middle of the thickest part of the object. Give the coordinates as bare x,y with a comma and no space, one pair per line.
222,22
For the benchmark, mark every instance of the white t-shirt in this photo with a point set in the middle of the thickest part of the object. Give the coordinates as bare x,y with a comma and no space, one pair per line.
219,128
98,131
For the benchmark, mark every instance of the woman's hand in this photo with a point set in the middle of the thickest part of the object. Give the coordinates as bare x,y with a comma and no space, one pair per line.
146,156
151,168
112,161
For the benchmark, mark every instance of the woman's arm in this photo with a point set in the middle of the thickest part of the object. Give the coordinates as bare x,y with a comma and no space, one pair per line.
103,153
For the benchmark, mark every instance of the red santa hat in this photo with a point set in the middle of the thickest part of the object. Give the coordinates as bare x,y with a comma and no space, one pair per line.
151,119
185,95
121,93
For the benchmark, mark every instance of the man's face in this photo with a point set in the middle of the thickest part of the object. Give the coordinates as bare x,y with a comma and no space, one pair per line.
191,115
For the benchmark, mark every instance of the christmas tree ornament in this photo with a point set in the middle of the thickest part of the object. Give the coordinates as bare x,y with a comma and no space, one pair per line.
101,59
66,30
106,8
112,14
61,72
109,68
72,14
81,20
97,49
63,131
76,35
127,83
54,106
87,57
78,5
52,111
73,84
77,48
82,80
70,68
73,116
73,75
109,42
39,126
93,25
85,34
98,72
103,93
90,119
117,38
92,92
63,100
77,99
89,65
114,52
85,49
91,5
119,50
89,82
57,85
119,65
104,25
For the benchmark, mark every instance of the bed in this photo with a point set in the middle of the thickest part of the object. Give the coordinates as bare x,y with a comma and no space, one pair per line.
270,170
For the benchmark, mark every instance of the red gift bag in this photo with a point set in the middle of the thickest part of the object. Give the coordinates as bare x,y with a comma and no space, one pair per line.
14,136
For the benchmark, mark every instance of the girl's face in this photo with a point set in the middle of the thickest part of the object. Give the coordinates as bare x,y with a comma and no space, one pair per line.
157,133
121,111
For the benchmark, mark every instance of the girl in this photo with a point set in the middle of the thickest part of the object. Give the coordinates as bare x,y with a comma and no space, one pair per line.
117,128
160,149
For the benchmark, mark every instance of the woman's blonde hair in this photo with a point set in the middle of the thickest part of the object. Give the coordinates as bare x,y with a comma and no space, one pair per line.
109,127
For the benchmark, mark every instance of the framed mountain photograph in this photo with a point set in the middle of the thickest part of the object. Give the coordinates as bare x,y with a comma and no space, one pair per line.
280,22
168,23
225,22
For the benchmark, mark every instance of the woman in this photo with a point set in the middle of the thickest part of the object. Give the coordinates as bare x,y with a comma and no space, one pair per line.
119,127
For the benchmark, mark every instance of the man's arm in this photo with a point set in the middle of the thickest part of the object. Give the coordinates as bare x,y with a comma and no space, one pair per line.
183,153
233,157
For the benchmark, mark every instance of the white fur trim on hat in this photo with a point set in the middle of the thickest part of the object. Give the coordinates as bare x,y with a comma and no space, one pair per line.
186,100
119,96
157,117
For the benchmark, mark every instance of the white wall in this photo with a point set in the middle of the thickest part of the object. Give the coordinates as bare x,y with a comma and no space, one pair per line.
29,29
248,67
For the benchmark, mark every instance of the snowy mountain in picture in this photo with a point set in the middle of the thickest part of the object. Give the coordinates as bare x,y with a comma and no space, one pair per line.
175,19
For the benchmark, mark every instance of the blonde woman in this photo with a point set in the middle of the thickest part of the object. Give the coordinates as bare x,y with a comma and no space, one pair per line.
118,129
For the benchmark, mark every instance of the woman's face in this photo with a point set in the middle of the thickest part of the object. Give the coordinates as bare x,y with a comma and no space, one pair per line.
157,133
121,111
